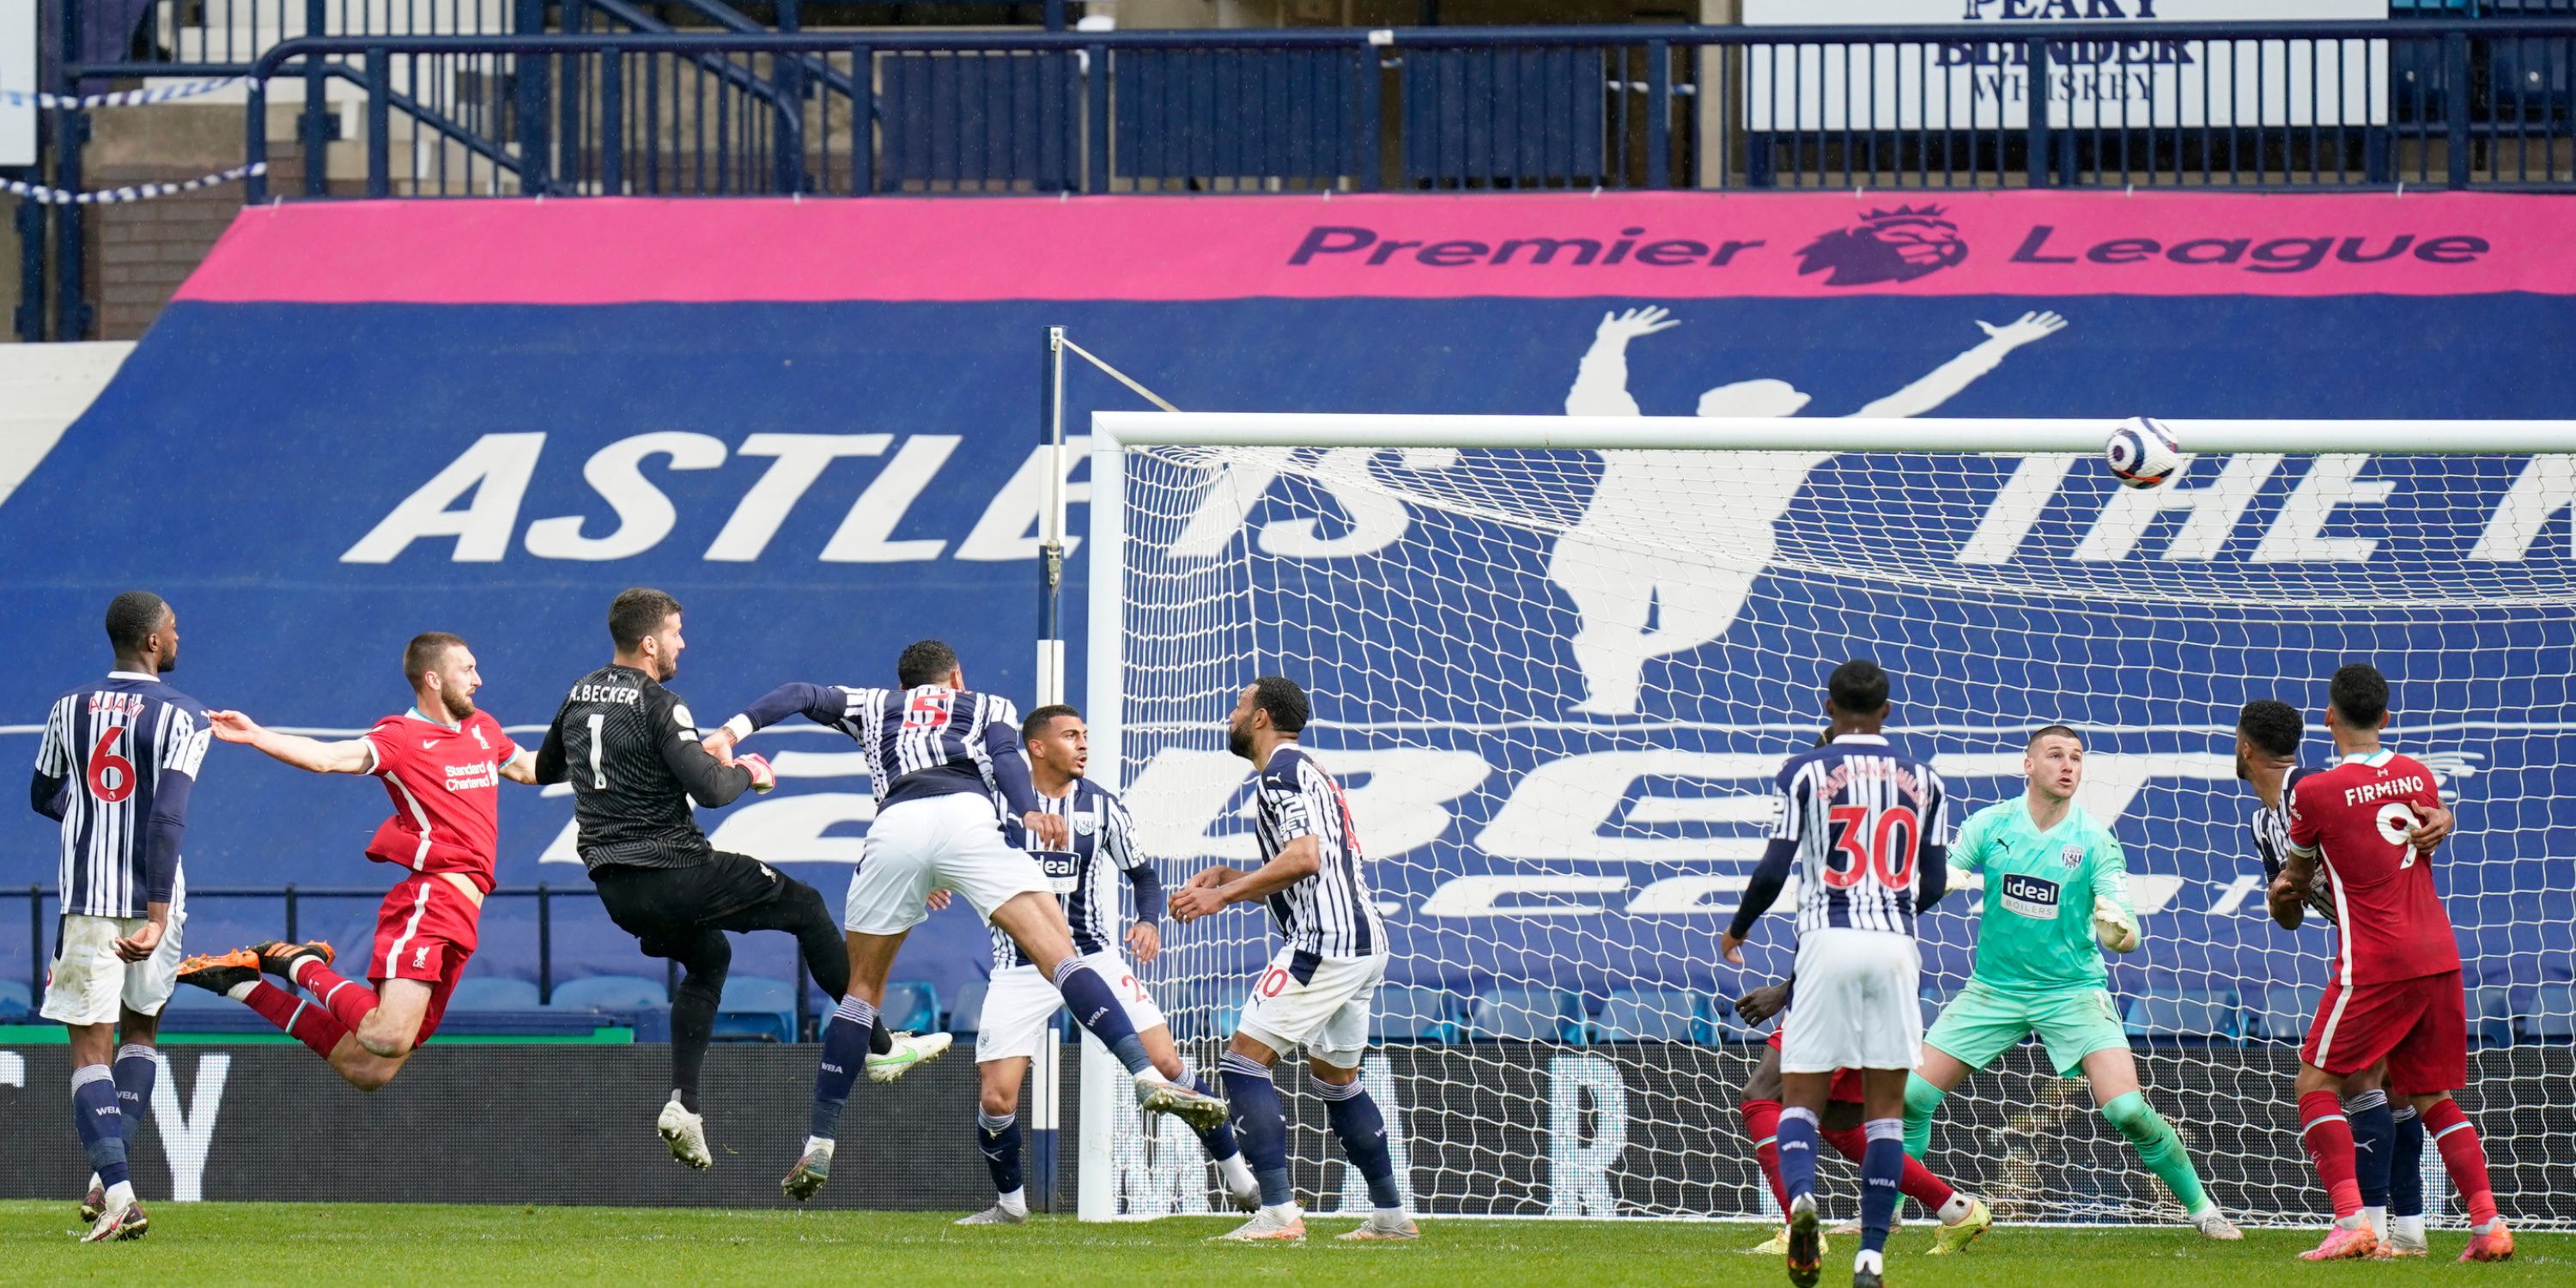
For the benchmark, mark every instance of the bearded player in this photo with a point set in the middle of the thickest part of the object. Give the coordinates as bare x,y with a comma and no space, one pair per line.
1962,1217
2388,1142
2057,893
2396,993
442,762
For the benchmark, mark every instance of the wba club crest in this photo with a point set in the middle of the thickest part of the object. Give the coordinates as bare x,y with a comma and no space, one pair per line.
2072,856
1886,246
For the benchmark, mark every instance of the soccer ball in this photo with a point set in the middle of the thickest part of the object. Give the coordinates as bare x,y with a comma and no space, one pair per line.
2142,453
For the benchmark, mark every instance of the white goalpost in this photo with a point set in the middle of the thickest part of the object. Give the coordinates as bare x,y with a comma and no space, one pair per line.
1556,660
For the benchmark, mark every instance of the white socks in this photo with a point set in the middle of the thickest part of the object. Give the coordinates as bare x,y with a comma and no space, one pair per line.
1868,1261
1016,1202
121,1192
2409,1228
1237,1174
1954,1211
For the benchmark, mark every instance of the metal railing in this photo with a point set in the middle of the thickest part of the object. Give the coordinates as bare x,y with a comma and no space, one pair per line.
2446,103
292,898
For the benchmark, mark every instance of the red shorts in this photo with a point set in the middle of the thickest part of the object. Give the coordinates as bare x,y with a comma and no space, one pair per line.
424,931
1846,1081
2420,1025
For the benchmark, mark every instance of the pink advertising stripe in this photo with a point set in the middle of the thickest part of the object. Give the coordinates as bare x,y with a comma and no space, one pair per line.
1651,245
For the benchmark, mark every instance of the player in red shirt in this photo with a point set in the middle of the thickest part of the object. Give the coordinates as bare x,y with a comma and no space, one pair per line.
1962,1217
442,763
2396,990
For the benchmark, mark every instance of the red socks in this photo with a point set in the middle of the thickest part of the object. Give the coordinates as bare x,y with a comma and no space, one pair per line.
2328,1136
1762,1122
1918,1182
346,999
2463,1157
302,1020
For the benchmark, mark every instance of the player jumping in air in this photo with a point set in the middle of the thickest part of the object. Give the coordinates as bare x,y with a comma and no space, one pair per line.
2050,873
1022,1002
2396,993
442,762
939,754
1865,827
630,749
115,769
1962,1217
2388,1143
1317,990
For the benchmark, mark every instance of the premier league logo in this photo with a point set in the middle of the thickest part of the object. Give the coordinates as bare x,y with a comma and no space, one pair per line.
1886,246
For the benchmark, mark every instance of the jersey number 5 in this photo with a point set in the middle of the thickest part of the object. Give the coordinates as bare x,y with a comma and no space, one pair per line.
927,711
111,776
1889,854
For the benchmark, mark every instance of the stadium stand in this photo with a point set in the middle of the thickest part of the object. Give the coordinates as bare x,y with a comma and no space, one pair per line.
1526,1015
16,1001
482,993
2552,1017
910,1005
1414,1013
756,1010
2186,1017
966,1014
1650,1015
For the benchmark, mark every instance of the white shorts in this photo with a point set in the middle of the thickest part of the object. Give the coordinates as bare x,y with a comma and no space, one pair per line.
1021,1001
950,842
1855,1004
90,982
1326,1011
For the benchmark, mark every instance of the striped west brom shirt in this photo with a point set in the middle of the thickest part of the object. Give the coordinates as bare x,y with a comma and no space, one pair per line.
128,749
2271,829
920,742
1862,815
1084,878
1332,913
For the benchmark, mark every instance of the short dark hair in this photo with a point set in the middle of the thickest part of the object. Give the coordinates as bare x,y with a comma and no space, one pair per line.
1857,687
1035,726
425,652
2273,725
1285,700
131,618
2054,731
2360,692
636,613
924,662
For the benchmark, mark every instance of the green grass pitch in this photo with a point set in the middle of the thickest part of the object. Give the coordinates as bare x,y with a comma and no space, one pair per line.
239,1243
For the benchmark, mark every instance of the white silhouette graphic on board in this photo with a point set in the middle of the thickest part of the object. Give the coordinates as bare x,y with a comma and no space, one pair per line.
1614,563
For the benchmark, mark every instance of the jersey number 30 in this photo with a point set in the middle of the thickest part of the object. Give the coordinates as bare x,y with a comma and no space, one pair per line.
1888,853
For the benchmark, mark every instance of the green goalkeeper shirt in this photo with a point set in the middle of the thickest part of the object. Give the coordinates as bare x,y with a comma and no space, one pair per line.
2037,930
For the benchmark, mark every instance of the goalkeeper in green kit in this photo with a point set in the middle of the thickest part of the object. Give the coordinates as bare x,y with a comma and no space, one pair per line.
2056,894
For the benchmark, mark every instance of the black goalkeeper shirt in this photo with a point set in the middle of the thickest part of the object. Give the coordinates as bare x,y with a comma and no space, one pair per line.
629,747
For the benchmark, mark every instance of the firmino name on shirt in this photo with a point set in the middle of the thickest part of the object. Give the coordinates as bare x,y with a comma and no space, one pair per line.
2368,792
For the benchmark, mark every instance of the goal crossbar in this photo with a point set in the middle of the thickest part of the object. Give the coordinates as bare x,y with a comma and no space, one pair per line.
1112,430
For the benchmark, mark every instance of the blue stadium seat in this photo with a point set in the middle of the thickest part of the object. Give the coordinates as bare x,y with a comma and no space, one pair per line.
485,993
911,1006
966,1014
610,993
189,997
17,1001
1723,1025
2283,1012
1650,1015
2552,1017
2185,1017
756,1010
1414,1013
1525,1015
2491,1016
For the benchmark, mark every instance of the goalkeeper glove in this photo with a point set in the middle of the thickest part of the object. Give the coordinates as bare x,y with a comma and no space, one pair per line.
2113,925
762,776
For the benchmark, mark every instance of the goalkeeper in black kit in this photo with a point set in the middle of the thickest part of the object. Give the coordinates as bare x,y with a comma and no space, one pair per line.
631,751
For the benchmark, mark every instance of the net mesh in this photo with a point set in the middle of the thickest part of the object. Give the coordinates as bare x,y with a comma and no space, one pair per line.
1555,686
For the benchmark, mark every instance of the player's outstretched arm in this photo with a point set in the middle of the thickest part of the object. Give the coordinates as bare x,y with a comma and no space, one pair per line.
1207,894
521,768
709,781
45,795
823,704
1760,892
349,756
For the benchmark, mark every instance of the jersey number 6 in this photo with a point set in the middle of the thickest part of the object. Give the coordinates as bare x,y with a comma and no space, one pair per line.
1889,855
111,776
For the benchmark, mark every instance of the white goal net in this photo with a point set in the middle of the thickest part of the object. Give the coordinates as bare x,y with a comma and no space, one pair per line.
1556,684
